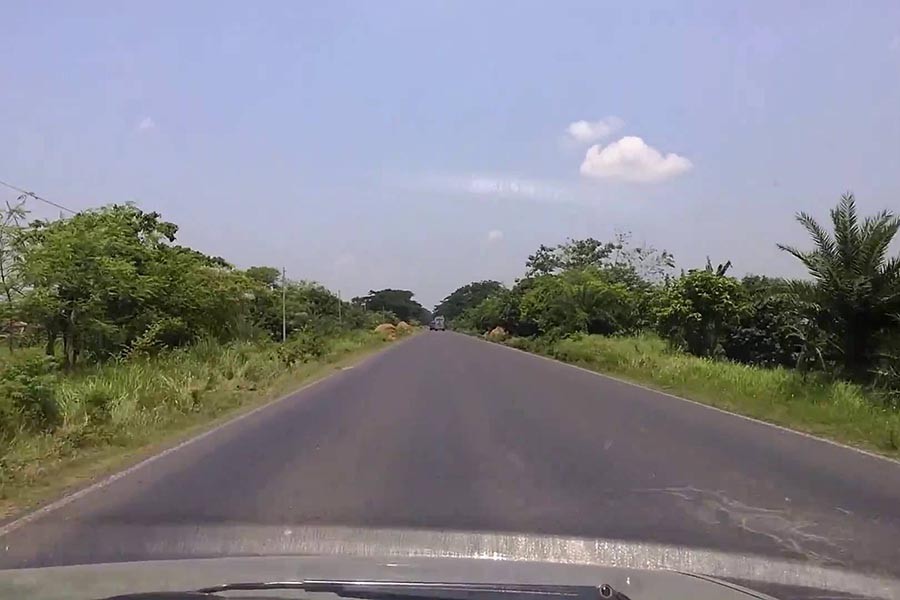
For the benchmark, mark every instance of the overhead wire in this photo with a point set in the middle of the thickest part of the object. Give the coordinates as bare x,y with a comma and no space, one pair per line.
29,194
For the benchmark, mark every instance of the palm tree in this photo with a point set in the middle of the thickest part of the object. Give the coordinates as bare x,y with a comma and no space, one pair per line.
858,284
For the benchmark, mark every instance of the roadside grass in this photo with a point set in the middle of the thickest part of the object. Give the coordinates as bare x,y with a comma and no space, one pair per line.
115,414
815,404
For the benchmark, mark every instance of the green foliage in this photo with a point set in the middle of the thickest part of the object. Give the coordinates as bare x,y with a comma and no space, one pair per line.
859,286
774,330
577,286
697,309
97,405
11,280
28,395
844,322
466,297
149,330
639,263
501,309
101,279
267,276
572,254
578,300
585,300
301,348
398,302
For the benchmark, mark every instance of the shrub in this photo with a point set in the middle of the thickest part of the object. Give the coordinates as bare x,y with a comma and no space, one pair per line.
97,404
697,309
28,395
302,347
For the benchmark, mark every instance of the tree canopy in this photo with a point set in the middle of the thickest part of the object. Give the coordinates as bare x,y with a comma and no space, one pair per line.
400,303
466,297
112,282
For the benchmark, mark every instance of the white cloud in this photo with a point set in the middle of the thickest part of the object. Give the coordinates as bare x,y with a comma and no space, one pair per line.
501,186
491,186
146,124
591,131
494,235
631,159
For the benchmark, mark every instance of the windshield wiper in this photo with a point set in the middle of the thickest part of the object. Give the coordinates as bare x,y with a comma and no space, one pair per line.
402,590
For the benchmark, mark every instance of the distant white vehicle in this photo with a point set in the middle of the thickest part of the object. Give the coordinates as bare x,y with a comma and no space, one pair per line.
437,324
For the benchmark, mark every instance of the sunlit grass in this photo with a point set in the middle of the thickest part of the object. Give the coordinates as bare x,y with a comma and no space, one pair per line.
815,403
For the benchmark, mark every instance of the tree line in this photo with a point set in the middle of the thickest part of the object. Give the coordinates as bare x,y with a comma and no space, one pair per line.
112,282
842,321
112,285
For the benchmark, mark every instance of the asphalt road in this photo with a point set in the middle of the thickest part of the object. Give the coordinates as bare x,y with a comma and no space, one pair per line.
445,432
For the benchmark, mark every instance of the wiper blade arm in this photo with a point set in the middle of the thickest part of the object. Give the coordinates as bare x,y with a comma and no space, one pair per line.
404,590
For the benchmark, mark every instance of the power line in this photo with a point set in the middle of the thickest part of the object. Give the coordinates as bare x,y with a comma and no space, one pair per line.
36,197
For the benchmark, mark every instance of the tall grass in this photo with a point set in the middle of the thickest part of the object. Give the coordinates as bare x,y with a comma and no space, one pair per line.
129,404
813,403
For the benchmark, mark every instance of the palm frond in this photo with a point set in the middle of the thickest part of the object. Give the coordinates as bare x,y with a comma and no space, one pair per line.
821,238
813,261
891,271
877,234
846,232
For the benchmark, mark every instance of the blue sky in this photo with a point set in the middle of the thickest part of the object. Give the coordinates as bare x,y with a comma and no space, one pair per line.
424,145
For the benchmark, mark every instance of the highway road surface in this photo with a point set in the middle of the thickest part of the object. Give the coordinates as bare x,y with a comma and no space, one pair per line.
446,432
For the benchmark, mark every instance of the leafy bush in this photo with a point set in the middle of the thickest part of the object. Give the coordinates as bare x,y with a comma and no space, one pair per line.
587,300
697,309
97,405
302,347
28,395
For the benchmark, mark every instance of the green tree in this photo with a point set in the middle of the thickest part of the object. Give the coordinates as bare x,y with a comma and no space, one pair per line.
858,284
11,284
308,306
500,309
398,302
697,309
636,266
267,276
578,300
572,254
104,279
466,297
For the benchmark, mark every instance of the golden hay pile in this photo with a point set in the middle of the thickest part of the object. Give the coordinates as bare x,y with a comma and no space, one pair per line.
387,330
497,333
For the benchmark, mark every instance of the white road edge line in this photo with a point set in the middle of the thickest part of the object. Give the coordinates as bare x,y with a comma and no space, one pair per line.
69,498
694,402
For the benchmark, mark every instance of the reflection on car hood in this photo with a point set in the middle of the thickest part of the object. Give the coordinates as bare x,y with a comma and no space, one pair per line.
255,553
98,581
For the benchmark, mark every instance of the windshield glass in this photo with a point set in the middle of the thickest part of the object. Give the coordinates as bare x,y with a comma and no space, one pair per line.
597,285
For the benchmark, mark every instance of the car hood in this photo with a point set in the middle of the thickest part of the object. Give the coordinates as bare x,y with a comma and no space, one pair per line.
261,553
102,580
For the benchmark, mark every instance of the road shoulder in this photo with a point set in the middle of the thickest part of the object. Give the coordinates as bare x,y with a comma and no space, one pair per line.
95,468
